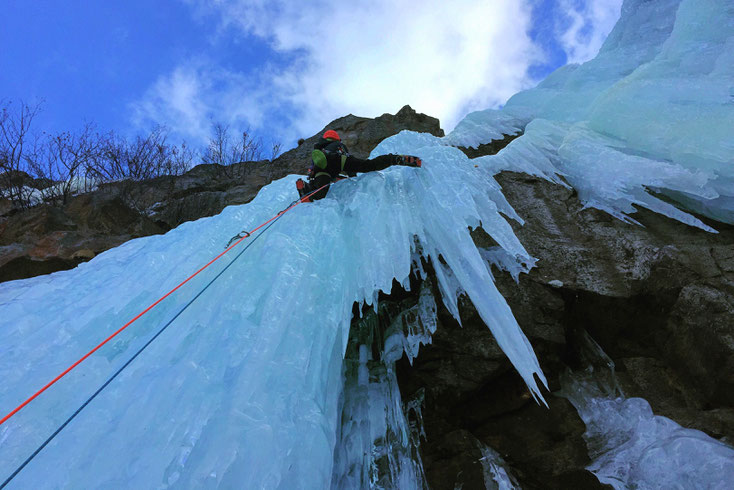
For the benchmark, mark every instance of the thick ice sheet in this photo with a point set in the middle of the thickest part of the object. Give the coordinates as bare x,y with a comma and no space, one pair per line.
651,114
234,391
244,387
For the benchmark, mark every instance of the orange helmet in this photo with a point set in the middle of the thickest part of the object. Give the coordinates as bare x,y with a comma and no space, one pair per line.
331,134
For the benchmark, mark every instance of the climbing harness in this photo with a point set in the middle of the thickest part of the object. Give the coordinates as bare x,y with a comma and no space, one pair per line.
264,226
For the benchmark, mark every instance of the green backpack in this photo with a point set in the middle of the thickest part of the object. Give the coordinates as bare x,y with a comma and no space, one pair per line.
328,158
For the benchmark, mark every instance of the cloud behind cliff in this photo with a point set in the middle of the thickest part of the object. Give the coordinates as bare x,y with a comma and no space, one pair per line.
443,58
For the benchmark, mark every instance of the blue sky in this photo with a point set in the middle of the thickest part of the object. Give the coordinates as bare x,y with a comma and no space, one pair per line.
284,69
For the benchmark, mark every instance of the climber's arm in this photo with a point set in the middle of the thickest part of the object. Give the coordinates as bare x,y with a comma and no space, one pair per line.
354,164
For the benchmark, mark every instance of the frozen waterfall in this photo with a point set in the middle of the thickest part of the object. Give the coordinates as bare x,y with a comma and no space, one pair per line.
246,388
245,385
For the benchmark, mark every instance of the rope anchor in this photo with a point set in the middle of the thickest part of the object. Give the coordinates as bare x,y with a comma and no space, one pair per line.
239,236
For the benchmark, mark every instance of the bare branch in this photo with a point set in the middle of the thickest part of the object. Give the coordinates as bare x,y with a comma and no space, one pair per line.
14,134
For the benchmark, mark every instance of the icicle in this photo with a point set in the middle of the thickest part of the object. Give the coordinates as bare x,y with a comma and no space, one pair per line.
497,474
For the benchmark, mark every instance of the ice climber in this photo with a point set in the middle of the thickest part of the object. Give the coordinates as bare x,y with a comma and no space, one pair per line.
331,161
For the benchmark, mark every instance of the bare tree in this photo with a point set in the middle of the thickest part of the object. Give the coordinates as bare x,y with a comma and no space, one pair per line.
180,159
276,148
250,149
109,163
14,138
230,153
224,149
217,151
53,167
69,158
56,166
145,157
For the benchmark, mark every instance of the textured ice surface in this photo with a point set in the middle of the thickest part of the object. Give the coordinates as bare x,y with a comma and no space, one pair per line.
633,448
411,329
379,435
652,113
484,126
376,448
243,388
498,257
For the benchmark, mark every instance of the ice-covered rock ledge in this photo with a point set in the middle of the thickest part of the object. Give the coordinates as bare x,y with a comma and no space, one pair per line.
632,447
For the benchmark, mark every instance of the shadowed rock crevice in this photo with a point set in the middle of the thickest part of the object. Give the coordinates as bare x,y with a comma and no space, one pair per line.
474,396
25,267
491,148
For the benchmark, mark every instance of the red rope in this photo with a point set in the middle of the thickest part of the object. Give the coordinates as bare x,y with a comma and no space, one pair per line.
66,371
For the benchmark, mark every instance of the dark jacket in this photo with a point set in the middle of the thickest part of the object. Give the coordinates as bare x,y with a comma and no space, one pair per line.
331,161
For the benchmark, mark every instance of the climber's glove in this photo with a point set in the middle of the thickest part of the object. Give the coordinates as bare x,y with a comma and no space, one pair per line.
408,160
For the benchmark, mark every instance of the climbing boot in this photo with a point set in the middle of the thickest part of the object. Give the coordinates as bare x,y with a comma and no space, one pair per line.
301,186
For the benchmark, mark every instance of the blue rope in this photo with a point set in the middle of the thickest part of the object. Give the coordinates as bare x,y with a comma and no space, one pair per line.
111,378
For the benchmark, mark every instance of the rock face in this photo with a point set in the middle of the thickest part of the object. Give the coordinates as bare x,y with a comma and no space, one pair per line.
659,299
361,135
46,239
661,295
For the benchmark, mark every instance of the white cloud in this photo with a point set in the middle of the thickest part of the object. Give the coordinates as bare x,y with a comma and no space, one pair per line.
585,25
374,57
443,58
179,97
196,94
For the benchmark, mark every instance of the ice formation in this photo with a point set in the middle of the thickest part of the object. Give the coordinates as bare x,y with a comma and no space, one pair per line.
631,447
648,121
245,385
497,474
379,435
